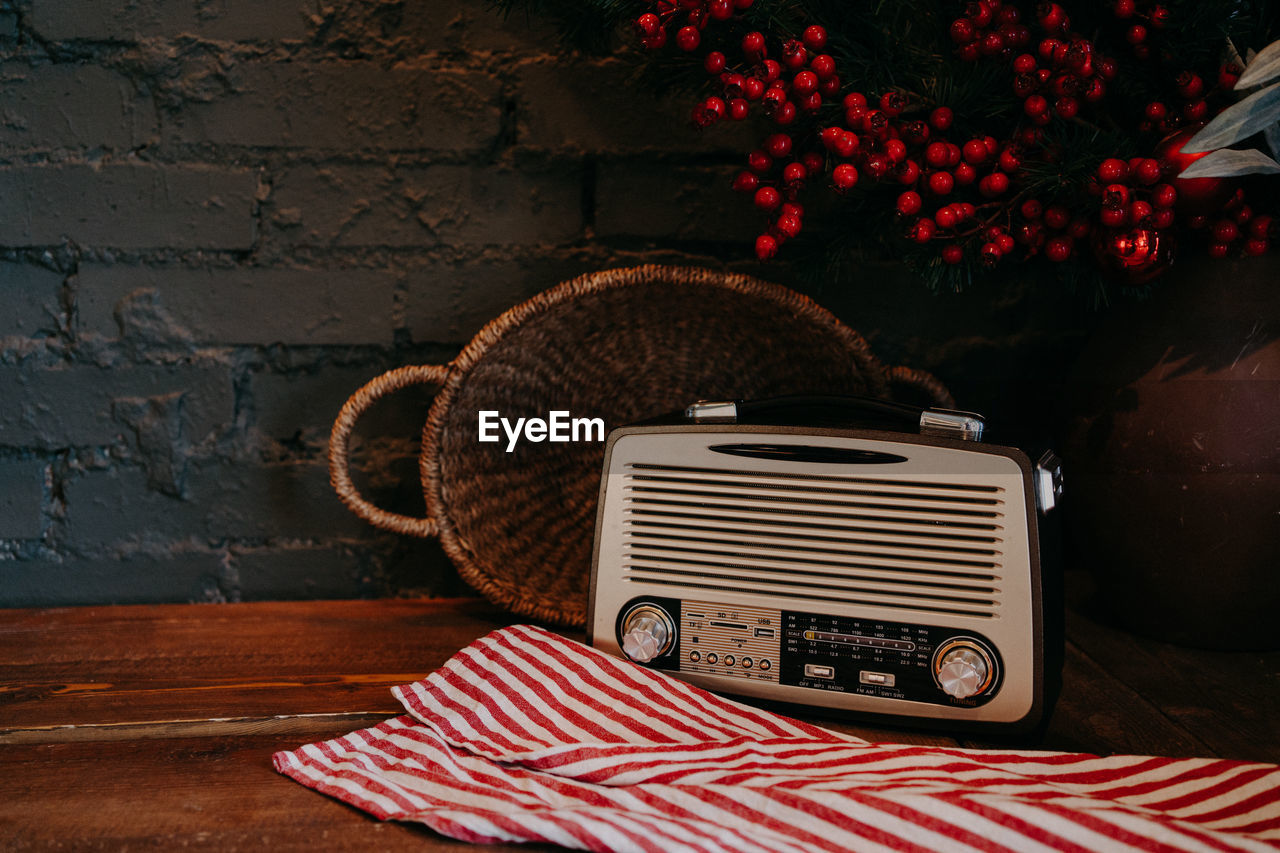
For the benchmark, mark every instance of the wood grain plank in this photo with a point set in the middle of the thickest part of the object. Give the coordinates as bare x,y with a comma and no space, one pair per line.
1231,700
218,793
96,665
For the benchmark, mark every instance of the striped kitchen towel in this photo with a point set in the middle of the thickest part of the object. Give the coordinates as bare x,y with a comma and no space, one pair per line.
524,736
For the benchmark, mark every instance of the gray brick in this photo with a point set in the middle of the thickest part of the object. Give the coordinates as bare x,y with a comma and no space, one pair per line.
21,499
50,107
132,20
473,26
426,206
242,305
450,302
29,303
595,106
344,106
299,572
225,499
303,406
128,206
85,406
137,578
665,202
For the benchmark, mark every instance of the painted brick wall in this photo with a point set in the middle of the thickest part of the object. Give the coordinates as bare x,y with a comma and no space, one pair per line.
220,217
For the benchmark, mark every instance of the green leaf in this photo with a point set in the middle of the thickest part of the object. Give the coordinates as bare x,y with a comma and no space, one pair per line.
1238,121
1230,163
1261,68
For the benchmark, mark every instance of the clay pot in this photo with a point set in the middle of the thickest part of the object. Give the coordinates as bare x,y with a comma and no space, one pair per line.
1173,457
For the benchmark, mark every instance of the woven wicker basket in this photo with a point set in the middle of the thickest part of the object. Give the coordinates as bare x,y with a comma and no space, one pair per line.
622,345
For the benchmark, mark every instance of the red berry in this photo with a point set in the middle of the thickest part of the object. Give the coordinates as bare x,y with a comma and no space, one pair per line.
759,162
1010,162
688,38
767,198
1052,17
766,247
946,217
1136,34
794,55
969,52
788,224
1162,218
1189,85
1058,249
877,165
892,103
990,254
815,37
1066,107
1255,246
1024,64
1260,226
1139,212
785,114
962,31
1224,231
895,150
823,65
720,10
655,41
813,161
922,232
941,183
830,85
1123,8
1147,171
936,154
844,176
746,182
975,151
994,184
909,203
991,44
1159,17
1218,250
907,172
1035,106
1031,209
1163,195
1005,242
738,109
794,173
648,24
1113,217
1056,216
1155,111
941,118
1113,170
964,174
952,254
753,46
753,88
713,62
772,70
1195,111
804,83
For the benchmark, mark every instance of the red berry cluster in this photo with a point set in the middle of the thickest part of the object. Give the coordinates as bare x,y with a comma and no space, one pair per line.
1145,18
1133,194
652,27
1064,72
1237,224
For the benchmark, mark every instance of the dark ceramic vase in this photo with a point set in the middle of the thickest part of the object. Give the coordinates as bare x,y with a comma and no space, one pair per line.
1173,457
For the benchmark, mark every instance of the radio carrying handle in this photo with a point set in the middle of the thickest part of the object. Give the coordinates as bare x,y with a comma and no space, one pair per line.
945,423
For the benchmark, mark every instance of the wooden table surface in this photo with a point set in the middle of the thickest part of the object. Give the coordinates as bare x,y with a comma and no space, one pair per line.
153,726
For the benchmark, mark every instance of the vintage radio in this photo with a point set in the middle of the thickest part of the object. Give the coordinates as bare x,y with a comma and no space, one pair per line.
844,554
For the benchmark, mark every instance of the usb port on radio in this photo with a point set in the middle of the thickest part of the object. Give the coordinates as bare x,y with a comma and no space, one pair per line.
767,633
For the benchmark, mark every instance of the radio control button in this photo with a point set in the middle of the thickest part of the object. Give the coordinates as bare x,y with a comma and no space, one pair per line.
695,655
816,671
730,660
765,664
647,633
747,662
713,658
963,670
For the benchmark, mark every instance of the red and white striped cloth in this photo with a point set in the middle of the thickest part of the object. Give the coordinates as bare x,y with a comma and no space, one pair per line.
524,736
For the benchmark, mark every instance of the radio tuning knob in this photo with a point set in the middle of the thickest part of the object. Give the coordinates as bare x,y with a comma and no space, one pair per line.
647,633
963,670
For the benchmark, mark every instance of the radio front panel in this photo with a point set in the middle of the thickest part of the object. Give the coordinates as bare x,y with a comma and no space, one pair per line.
894,579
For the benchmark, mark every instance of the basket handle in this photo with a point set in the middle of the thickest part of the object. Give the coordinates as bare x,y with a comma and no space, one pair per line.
924,381
340,440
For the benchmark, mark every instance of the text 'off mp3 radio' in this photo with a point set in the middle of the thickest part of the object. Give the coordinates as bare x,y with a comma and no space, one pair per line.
890,569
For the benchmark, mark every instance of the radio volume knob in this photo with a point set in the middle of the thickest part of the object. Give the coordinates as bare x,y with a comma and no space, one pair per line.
647,633
963,671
